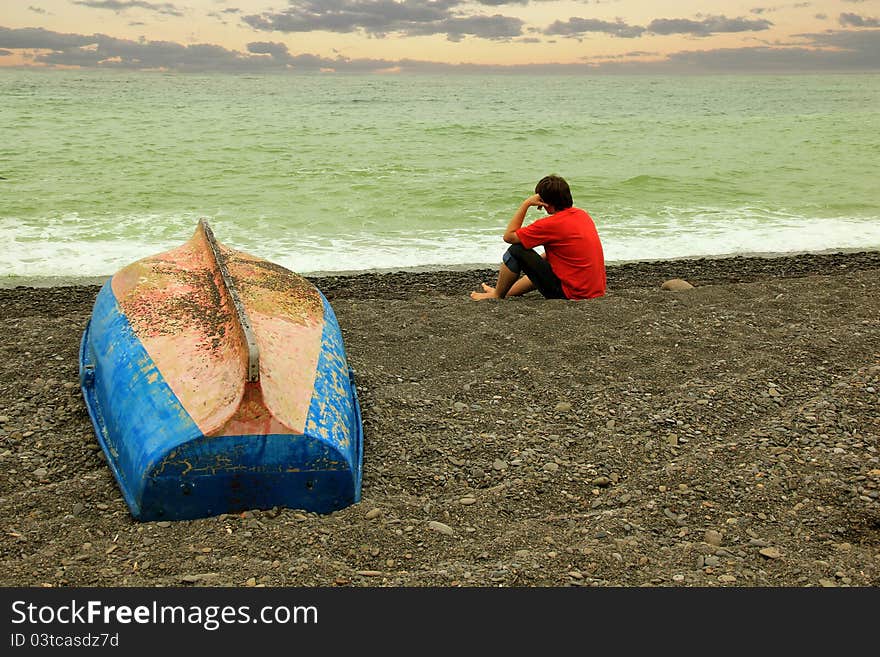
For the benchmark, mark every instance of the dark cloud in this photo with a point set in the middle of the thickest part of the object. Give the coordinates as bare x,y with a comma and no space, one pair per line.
483,27
767,10
821,17
842,50
122,5
373,16
854,20
105,52
224,14
280,57
37,10
6,53
102,51
623,56
268,48
579,26
382,17
706,26
36,38
838,51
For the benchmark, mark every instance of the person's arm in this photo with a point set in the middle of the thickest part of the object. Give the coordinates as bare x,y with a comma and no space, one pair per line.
519,216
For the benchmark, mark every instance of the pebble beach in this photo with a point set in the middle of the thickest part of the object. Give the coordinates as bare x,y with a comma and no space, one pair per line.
724,435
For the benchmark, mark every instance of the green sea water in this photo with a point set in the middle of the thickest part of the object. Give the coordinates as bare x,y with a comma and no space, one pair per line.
327,173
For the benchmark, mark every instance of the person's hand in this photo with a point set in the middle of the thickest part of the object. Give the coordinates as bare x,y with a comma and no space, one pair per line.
535,201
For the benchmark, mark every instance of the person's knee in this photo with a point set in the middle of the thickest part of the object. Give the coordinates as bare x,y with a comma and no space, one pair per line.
512,258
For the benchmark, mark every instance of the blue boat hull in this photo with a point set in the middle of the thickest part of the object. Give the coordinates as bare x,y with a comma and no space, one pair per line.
168,469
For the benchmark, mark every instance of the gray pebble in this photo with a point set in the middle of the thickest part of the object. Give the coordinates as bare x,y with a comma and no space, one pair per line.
770,553
441,528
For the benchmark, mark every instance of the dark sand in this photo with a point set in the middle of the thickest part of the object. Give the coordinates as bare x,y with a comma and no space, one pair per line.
721,436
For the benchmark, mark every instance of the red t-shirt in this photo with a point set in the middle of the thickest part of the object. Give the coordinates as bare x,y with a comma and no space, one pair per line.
573,251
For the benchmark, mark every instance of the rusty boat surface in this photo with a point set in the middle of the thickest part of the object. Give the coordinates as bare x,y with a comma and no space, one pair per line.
218,382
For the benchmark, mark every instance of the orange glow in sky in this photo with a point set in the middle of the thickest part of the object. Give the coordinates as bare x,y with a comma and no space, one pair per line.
472,32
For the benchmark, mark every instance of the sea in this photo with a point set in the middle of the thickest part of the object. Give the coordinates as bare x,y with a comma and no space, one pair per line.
330,173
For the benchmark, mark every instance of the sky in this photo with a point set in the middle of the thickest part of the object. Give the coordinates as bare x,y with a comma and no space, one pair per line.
388,36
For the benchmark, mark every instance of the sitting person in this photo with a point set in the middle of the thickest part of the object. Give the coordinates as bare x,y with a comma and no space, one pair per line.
573,264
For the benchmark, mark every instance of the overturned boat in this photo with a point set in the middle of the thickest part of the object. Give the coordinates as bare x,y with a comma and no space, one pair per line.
218,382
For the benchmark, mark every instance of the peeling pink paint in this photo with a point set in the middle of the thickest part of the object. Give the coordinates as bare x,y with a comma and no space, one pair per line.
288,362
178,305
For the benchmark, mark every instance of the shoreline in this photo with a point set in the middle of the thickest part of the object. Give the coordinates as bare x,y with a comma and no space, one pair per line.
13,281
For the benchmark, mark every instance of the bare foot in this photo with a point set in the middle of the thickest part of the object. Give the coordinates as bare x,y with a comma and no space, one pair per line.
487,293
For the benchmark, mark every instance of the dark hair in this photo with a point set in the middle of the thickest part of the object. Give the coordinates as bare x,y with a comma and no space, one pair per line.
554,191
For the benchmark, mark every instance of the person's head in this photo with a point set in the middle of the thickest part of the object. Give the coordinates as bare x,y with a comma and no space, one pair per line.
554,191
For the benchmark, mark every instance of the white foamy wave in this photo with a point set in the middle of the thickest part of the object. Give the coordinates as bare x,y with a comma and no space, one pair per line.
418,249
716,232
76,247
76,258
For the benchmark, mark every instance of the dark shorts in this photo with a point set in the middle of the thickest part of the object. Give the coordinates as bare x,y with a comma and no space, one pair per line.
521,260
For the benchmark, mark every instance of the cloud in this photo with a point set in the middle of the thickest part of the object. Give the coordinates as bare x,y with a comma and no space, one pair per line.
579,26
280,56
842,50
707,26
494,27
622,56
37,10
268,48
37,38
123,5
6,53
102,51
381,17
854,20
105,52
767,10
859,46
